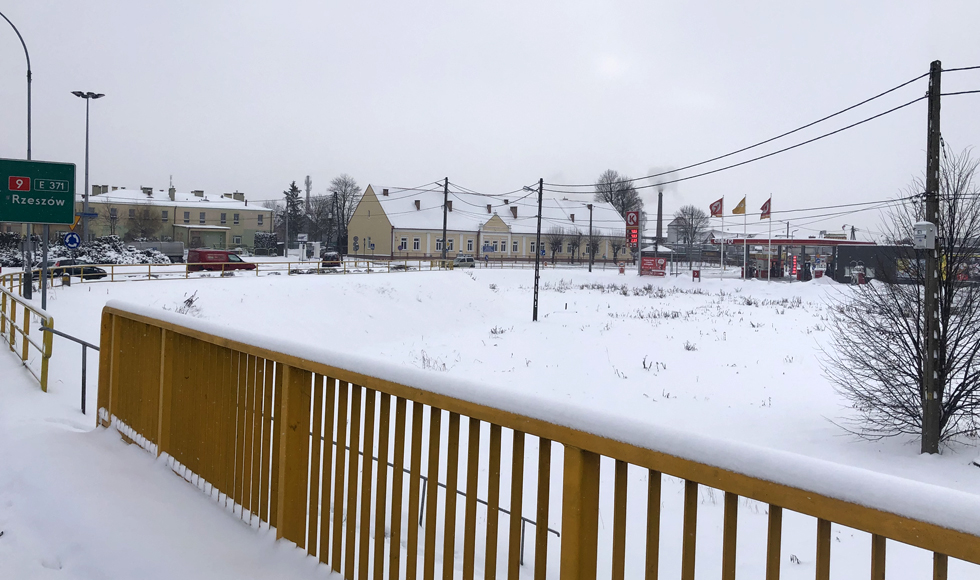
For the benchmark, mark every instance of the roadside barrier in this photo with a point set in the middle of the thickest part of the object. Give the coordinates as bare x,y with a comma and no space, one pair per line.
252,422
10,304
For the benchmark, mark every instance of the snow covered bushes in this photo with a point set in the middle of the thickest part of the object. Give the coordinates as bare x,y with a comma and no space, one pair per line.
105,250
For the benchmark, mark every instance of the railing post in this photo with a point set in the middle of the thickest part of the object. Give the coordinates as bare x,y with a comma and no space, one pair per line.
46,342
25,333
105,364
580,515
3,312
294,454
166,382
774,548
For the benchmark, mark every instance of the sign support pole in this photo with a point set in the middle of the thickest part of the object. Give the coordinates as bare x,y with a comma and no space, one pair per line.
45,230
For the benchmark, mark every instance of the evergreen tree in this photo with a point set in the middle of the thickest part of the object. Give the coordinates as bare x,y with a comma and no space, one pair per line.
294,211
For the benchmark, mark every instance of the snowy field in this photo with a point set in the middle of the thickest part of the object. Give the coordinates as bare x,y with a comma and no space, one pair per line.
728,359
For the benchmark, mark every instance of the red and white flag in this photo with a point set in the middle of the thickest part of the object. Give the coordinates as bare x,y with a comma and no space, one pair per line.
717,208
766,209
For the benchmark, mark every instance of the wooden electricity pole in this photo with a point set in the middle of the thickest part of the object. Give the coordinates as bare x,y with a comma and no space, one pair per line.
932,382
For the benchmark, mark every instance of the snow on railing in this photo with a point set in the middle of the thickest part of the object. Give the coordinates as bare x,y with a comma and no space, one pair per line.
250,415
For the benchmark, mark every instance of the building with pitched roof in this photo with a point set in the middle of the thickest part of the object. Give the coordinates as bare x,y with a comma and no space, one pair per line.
408,224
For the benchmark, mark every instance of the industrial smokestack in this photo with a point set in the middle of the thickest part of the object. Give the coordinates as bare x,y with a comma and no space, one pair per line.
660,215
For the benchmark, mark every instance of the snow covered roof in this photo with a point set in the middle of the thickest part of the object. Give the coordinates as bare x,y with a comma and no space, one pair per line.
469,212
162,198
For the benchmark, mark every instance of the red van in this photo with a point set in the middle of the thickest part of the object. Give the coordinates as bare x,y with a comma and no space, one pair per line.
215,260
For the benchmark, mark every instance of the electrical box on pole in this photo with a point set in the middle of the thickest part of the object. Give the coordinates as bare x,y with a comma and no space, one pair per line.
924,236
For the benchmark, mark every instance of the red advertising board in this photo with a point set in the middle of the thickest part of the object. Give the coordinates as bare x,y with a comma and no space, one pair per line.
650,266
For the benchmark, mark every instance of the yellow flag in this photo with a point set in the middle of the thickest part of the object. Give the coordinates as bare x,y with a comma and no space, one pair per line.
740,208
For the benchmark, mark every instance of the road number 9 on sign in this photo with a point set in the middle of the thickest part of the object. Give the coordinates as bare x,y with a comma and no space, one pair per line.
18,183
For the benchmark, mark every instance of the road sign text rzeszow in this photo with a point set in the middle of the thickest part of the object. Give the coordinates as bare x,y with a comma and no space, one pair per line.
37,192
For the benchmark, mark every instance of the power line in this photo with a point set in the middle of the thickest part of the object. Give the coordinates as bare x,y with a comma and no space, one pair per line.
958,93
961,68
778,151
743,149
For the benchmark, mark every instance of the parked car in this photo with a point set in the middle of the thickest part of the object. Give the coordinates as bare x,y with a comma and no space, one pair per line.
464,262
215,260
68,267
330,259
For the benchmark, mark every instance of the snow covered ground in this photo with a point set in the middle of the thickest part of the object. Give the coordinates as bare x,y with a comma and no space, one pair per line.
724,358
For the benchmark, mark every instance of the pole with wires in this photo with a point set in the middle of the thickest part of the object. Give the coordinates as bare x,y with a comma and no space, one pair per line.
537,251
932,382
445,206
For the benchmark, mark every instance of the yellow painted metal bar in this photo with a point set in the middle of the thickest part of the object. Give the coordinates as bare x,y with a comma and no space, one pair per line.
13,324
432,494
620,486
364,553
381,495
258,395
25,334
452,483
266,440
878,557
340,473
472,486
105,353
940,566
166,376
397,490
47,341
493,503
823,550
330,394
689,541
774,545
729,537
295,455
654,480
544,497
579,515
516,506
352,469
316,434
414,481
276,460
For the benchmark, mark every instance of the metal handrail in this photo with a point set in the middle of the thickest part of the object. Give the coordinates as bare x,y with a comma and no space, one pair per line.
85,347
9,328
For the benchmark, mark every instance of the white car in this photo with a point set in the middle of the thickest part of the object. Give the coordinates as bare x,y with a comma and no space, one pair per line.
464,262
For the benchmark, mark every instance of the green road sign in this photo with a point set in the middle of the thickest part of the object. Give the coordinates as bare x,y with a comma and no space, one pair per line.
37,192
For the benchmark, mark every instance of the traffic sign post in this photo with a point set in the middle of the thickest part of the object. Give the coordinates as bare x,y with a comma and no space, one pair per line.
37,192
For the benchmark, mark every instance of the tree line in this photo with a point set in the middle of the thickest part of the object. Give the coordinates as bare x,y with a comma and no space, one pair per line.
323,217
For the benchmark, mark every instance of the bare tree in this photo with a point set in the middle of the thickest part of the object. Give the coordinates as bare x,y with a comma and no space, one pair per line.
575,239
555,238
346,195
617,190
693,222
143,222
617,243
319,216
108,216
876,361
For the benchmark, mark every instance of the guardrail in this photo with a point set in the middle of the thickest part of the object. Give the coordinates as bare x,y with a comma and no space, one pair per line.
250,421
85,346
10,303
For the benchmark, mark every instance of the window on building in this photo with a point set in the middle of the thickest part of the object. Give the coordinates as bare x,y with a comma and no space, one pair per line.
236,218
236,240
469,245
571,248
532,247
260,219
202,217
438,244
404,244
132,213
514,248
187,217
449,244
495,247
112,212
559,248
417,244
146,214
165,215
224,218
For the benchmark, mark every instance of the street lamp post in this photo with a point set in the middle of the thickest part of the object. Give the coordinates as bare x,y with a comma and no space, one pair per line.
87,96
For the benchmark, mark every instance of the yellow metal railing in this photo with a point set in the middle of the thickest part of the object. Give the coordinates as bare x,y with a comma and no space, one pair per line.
15,319
281,438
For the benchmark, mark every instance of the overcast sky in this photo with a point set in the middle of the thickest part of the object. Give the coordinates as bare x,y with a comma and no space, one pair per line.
248,96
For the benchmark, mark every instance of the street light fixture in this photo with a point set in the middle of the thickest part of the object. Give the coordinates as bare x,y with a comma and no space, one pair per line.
88,96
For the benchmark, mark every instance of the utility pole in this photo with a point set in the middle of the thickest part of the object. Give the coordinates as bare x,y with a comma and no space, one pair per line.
591,239
932,383
537,251
445,212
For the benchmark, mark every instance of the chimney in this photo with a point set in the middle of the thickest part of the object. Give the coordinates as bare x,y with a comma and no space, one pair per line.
571,215
449,205
147,190
513,210
227,196
198,192
488,208
418,205
105,189
114,188
506,202
660,215
384,192
173,193
238,196
96,189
